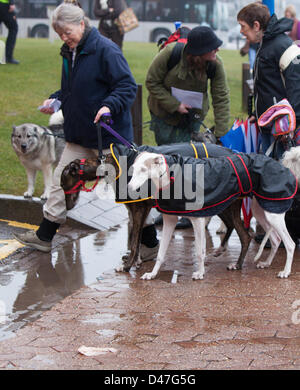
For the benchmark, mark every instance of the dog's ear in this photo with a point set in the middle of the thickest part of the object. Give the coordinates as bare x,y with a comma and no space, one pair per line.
14,129
73,168
70,170
156,161
159,160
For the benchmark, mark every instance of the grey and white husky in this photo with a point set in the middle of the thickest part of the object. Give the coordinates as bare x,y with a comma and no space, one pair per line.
39,149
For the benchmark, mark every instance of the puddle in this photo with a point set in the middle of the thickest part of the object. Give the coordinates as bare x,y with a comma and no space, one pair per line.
103,319
106,332
29,287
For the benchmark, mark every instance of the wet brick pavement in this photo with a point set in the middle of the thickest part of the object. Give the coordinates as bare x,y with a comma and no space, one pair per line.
231,320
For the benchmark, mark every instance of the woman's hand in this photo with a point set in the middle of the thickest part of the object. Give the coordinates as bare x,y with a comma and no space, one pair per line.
103,110
46,109
183,108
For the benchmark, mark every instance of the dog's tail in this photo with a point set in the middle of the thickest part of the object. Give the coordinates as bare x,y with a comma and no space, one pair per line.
262,245
291,160
56,119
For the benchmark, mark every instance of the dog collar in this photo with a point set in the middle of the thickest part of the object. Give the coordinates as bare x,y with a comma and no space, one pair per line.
80,185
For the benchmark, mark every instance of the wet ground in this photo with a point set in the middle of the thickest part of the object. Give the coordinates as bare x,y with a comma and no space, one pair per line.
72,297
33,283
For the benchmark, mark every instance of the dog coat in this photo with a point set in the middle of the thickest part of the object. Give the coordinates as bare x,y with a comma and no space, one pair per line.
119,151
224,180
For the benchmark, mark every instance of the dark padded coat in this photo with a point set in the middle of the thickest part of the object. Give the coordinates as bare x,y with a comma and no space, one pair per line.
197,149
227,176
268,83
100,77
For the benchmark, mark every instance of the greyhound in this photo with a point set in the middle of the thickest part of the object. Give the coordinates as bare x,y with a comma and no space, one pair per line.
77,173
224,179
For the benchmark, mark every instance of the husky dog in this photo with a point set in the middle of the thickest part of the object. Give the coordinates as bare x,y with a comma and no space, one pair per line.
39,149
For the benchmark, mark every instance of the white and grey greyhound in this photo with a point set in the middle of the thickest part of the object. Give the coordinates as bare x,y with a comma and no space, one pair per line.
273,186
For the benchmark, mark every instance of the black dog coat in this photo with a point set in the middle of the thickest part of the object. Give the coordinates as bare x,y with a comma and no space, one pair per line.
225,179
125,157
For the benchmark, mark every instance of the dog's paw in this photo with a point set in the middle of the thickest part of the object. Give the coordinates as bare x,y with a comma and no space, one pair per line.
233,267
125,257
28,194
138,263
219,251
148,276
283,274
44,196
120,268
262,264
197,275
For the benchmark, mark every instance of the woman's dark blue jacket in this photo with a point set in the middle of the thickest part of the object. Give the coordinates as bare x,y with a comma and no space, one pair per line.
100,77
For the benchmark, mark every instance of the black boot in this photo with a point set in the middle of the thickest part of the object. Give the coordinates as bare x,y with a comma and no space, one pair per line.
47,230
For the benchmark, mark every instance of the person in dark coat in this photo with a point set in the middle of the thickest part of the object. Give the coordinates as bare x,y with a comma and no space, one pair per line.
108,11
96,80
8,17
276,69
271,83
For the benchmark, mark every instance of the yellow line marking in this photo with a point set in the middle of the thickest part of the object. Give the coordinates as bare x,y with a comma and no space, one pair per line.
9,247
19,224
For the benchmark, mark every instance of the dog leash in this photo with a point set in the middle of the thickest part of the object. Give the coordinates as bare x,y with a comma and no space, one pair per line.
105,122
46,131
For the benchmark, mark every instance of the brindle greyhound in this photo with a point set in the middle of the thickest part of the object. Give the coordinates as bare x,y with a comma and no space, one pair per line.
78,172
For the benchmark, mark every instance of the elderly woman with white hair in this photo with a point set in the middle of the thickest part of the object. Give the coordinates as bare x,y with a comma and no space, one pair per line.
95,80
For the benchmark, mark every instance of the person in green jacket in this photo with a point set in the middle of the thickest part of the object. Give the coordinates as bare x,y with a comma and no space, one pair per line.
176,110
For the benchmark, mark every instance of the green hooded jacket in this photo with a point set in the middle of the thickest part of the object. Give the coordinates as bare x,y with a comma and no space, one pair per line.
161,102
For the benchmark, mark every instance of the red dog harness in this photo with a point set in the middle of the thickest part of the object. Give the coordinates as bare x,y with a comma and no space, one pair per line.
80,185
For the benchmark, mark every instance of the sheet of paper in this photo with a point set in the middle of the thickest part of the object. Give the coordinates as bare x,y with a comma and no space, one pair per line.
55,104
194,99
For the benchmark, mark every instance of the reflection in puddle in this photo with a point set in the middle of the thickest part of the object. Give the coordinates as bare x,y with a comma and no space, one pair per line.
103,319
106,332
27,288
